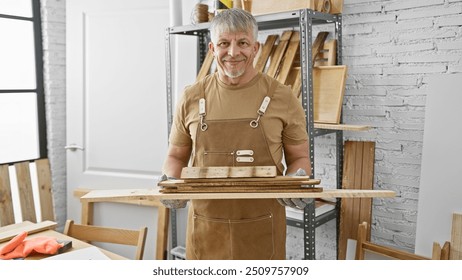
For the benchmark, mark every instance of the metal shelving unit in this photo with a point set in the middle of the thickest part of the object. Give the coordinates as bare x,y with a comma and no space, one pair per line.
303,19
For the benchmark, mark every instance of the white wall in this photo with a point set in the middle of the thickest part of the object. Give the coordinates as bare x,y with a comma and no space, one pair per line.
391,49
440,191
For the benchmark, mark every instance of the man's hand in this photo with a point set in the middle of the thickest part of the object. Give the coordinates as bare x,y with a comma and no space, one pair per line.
172,203
298,203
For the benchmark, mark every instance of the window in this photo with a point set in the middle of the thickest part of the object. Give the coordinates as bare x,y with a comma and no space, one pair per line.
22,108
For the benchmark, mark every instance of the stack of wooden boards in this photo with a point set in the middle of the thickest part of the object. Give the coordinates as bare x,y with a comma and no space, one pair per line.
279,58
248,179
260,7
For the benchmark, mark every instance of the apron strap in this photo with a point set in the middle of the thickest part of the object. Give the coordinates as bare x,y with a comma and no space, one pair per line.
264,104
202,109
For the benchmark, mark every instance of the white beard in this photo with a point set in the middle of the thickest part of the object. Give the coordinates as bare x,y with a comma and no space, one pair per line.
234,74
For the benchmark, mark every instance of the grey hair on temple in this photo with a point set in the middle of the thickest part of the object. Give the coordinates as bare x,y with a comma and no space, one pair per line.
233,20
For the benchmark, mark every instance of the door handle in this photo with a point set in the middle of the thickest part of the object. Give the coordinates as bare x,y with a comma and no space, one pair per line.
73,147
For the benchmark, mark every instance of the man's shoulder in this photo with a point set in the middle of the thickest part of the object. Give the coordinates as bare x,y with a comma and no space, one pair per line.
279,87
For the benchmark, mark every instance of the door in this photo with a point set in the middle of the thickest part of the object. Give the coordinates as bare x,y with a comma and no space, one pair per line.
116,105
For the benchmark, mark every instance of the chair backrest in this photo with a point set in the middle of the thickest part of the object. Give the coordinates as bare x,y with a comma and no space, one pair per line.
362,245
90,233
29,180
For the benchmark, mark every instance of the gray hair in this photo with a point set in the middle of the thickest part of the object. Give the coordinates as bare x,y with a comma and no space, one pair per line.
233,20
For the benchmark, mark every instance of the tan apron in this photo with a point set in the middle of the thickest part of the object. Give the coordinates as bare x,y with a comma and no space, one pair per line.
234,229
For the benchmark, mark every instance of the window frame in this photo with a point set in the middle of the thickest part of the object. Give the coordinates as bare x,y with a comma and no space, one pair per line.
39,76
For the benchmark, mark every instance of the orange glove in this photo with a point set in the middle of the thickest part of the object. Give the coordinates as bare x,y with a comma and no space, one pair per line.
18,247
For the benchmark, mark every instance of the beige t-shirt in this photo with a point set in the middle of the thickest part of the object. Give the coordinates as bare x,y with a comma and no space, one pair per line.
283,122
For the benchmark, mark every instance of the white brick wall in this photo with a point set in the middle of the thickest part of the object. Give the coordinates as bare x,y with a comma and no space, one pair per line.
54,48
391,47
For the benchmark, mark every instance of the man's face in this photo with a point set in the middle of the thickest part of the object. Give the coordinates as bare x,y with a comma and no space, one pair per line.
234,53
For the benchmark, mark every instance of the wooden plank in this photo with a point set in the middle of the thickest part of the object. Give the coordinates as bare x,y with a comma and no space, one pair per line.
295,81
278,53
328,91
44,189
241,189
265,52
289,57
349,127
26,196
29,228
228,172
456,237
328,55
154,193
163,216
278,181
436,251
318,45
6,205
79,192
445,251
367,182
358,173
260,7
205,67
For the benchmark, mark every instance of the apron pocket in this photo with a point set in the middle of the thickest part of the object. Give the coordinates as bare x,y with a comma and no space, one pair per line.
218,159
222,239
253,239
210,238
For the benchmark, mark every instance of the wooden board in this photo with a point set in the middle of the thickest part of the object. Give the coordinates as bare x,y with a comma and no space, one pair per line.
265,52
8,232
456,237
350,127
205,67
328,91
294,80
278,53
155,194
228,172
260,7
328,55
318,45
330,6
358,173
289,57
277,184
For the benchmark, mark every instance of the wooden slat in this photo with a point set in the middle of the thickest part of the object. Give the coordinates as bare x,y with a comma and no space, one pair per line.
289,57
152,194
456,237
26,195
28,227
358,174
265,52
445,251
349,127
328,55
44,189
436,251
242,189
362,245
278,53
6,201
228,172
163,216
205,67
318,45
295,81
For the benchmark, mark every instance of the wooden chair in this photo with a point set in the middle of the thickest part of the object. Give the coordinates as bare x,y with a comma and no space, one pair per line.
90,233
25,191
362,246
163,215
